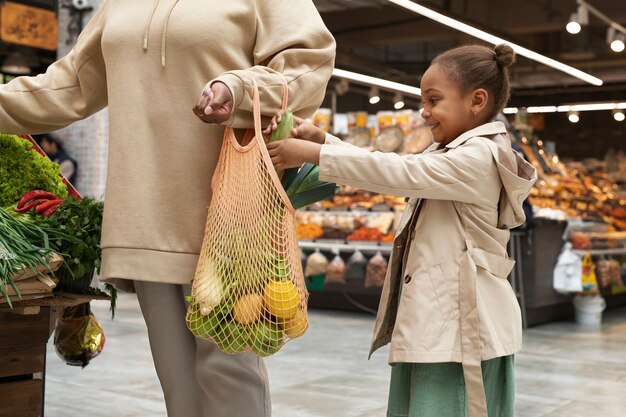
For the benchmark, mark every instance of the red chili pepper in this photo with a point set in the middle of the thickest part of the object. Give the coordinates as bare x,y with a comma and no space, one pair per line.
35,194
51,210
31,205
46,205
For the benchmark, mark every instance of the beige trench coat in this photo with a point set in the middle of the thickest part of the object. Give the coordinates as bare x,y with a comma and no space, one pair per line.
449,254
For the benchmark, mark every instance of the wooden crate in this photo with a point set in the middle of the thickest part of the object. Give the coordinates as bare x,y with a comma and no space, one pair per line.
23,339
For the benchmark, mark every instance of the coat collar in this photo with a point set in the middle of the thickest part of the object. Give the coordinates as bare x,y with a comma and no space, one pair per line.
488,129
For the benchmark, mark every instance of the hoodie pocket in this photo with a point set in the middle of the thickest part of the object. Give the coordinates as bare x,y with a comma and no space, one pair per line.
445,281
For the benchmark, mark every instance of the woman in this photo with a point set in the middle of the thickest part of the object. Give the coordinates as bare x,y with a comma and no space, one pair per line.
149,63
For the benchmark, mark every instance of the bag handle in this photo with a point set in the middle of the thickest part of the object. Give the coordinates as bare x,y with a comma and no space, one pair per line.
285,101
256,104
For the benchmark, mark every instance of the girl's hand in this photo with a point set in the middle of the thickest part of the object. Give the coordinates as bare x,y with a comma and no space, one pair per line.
303,130
291,153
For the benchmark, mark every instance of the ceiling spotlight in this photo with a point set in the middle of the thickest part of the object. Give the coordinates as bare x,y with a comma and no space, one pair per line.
619,115
578,19
573,116
374,95
573,26
615,39
398,101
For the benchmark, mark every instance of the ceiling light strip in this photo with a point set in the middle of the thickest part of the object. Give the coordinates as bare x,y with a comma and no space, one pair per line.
568,108
378,82
487,37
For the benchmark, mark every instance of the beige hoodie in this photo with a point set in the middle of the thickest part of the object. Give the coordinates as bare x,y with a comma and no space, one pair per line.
148,62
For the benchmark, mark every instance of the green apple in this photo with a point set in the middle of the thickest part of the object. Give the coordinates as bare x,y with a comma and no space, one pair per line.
267,338
233,338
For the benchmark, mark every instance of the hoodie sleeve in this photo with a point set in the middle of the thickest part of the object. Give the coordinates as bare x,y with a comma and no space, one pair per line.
454,175
71,89
291,38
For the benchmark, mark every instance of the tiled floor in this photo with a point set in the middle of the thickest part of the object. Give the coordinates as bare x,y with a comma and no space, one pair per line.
562,371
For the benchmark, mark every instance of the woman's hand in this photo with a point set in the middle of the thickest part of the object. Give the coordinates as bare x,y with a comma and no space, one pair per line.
303,130
291,153
215,103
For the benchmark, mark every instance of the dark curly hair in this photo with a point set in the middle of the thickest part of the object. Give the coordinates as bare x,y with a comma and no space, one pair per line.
476,66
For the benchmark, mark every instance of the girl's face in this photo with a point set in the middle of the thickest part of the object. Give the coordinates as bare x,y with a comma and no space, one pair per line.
447,110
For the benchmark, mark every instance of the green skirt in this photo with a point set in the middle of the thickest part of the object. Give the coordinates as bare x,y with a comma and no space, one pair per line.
438,389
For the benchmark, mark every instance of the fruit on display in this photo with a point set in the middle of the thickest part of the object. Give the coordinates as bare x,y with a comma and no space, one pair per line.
309,231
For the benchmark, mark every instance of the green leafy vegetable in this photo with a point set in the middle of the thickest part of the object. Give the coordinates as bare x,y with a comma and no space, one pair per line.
81,221
23,170
17,251
74,230
303,185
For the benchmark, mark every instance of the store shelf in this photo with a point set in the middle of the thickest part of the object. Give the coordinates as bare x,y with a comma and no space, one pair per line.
384,248
599,252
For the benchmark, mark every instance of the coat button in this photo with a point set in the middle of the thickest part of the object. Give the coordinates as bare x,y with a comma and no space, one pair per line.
407,279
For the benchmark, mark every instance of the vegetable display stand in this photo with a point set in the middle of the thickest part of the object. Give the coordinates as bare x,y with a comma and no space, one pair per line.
24,333
23,339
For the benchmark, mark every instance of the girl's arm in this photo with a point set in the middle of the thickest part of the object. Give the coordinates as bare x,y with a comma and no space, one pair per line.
453,175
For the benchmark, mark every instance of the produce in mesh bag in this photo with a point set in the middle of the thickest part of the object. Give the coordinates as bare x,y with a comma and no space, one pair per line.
78,337
258,317
336,271
316,264
375,271
302,185
248,292
355,268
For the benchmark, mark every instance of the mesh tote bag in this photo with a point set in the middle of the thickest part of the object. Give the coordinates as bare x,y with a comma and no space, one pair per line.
248,291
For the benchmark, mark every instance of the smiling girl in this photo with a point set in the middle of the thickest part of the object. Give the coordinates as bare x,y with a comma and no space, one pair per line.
447,308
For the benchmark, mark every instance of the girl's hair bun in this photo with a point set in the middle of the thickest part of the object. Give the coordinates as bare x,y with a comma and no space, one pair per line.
505,55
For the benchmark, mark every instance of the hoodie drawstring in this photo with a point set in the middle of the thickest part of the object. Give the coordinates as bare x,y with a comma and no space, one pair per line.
148,23
163,34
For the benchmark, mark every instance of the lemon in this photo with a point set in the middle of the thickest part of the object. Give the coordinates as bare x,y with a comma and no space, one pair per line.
248,309
281,299
297,325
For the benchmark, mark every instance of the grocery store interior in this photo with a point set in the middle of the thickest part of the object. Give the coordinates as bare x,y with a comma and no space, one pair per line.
566,116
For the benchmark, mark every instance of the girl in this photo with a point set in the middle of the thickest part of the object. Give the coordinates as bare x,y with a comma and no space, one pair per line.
446,307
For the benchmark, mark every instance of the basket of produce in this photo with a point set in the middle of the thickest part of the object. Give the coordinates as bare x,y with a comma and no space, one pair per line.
43,221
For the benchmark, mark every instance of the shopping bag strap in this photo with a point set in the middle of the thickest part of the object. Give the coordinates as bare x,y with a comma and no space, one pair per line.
285,101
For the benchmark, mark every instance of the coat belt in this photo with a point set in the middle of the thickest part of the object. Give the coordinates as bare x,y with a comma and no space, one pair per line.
470,337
